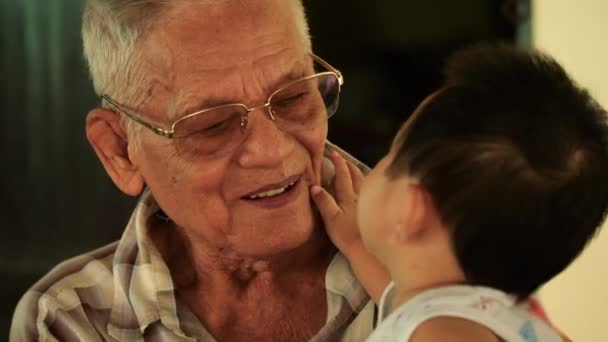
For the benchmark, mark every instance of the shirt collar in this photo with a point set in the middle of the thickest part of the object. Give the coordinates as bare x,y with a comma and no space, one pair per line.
341,280
143,288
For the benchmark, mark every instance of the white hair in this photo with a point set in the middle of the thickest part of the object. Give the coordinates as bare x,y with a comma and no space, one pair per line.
111,30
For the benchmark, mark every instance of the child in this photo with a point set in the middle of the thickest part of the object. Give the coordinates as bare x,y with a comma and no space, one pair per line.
493,186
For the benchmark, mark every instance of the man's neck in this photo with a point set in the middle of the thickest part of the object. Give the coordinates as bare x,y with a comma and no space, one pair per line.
226,291
200,265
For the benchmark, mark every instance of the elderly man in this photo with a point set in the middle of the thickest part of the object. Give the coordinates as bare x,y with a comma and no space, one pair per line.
215,111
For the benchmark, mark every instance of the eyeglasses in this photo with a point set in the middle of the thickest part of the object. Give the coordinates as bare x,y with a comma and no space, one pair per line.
301,104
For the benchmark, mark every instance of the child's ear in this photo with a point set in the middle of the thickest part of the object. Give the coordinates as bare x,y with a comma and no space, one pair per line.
110,143
415,213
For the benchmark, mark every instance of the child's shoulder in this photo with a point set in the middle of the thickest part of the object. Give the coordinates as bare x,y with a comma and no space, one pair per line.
452,329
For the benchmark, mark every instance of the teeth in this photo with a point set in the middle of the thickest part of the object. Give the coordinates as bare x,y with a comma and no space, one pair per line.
271,193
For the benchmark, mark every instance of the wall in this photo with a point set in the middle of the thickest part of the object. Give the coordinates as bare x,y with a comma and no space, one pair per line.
56,201
574,33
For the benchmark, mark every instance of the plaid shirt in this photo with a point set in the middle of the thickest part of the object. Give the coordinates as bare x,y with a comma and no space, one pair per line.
124,292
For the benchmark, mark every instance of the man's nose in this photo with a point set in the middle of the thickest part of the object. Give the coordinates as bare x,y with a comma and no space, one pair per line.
265,144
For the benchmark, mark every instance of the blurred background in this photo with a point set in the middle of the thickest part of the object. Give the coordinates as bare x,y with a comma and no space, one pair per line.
59,202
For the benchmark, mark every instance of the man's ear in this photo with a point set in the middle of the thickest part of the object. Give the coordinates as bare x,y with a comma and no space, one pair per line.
110,143
416,212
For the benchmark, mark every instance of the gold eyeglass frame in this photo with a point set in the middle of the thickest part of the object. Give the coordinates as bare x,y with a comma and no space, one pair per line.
169,133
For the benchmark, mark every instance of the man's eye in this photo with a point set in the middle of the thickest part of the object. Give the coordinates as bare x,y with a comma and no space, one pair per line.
215,128
289,100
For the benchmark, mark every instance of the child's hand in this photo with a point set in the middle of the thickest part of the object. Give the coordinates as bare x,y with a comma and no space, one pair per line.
340,213
340,218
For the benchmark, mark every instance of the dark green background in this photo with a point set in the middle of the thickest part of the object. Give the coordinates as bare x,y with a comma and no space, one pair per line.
57,200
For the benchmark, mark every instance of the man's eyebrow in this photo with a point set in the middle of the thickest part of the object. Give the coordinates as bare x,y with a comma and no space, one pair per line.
297,72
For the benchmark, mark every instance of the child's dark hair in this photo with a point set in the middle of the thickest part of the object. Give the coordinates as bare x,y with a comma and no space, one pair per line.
515,156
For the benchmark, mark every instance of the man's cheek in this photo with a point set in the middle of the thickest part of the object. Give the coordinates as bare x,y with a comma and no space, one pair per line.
315,146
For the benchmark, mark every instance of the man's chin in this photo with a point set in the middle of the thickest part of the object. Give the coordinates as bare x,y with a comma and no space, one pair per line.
271,238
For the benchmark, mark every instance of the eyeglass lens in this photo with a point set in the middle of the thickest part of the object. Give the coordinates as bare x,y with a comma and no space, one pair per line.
301,105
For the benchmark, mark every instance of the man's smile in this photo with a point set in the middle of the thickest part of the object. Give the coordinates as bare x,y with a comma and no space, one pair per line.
275,195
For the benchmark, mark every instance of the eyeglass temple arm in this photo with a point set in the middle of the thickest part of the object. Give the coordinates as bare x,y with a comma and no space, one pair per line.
155,129
329,67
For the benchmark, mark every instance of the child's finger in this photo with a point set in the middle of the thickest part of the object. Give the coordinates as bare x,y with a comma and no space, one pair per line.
356,175
344,184
326,204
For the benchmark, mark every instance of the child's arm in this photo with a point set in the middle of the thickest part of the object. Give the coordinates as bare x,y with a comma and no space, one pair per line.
340,218
370,272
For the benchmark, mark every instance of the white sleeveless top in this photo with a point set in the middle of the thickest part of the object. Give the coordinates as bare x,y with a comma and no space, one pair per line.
488,307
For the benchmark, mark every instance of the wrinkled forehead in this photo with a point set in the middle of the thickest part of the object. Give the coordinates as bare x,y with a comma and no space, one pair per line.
208,45
225,25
